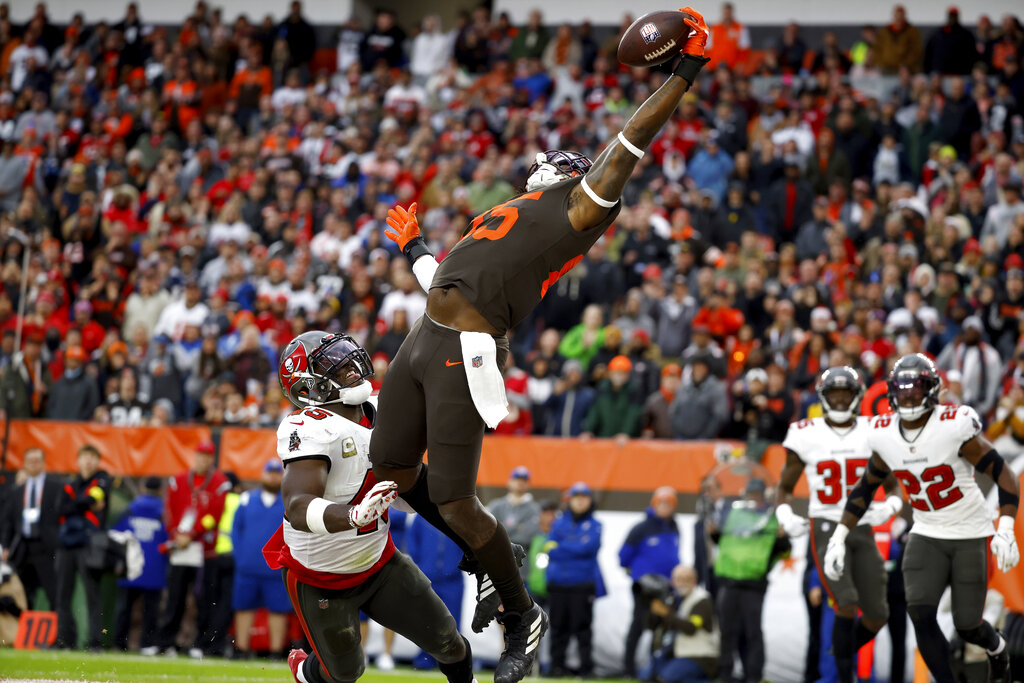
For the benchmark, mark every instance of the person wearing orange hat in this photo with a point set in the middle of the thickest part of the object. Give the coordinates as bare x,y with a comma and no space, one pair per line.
616,409
656,422
78,392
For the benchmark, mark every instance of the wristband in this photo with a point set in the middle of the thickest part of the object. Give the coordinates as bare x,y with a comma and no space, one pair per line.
633,149
593,195
689,66
315,515
415,248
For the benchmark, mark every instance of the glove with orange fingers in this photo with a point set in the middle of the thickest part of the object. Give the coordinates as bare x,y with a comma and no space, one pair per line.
405,232
693,49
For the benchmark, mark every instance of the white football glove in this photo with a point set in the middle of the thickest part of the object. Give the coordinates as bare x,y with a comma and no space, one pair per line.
835,553
880,513
1004,545
373,504
793,524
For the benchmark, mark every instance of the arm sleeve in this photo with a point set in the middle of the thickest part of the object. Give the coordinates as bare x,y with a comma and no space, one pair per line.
424,270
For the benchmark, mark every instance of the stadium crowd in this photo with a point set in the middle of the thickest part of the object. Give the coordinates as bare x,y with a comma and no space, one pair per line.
195,196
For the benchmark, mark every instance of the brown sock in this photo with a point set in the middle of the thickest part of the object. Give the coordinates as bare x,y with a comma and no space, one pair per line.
496,557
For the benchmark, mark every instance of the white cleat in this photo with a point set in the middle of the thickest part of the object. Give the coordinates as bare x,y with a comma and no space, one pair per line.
385,662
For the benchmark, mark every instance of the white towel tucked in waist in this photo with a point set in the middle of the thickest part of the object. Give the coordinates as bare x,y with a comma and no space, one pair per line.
486,385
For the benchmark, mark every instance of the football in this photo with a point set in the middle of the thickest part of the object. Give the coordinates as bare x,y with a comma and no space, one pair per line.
654,38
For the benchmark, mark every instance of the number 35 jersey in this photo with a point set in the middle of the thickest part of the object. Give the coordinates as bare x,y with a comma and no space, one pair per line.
833,462
939,483
315,433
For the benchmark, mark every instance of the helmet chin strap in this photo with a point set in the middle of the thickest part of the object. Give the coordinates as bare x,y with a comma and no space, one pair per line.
839,416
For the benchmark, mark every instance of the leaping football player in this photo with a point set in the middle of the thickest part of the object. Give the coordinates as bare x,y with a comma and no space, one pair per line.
934,451
445,383
833,449
334,547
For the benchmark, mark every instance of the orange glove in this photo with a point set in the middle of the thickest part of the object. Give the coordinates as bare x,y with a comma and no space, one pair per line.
404,227
696,43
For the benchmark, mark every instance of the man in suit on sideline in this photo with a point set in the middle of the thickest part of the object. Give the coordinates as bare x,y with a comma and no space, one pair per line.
29,527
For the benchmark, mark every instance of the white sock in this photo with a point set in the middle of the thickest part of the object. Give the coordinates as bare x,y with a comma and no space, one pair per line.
999,648
302,673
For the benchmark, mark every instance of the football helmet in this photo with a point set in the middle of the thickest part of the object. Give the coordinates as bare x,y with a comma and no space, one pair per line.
840,378
914,386
554,166
319,368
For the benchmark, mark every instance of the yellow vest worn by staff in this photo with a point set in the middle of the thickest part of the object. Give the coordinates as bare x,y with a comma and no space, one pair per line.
227,522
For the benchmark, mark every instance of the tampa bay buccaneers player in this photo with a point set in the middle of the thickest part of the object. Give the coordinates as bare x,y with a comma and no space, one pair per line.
833,450
334,547
445,382
934,451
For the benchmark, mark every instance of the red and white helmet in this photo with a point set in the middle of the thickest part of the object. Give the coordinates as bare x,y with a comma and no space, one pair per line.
319,368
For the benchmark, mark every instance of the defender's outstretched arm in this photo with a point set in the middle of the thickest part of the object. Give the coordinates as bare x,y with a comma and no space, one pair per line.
602,185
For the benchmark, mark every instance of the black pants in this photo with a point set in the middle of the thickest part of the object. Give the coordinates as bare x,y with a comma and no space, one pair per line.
739,616
127,597
572,615
898,633
179,582
641,614
38,569
217,584
70,566
398,597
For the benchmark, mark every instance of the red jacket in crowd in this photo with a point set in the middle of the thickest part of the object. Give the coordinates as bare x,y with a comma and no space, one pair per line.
202,498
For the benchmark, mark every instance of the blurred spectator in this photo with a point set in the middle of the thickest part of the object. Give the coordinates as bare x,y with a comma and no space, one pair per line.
583,341
256,586
689,632
223,566
1003,215
83,510
570,402
531,40
144,520
978,365
951,48
383,43
195,502
898,44
700,407
438,558
651,547
79,395
30,528
538,558
657,421
675,316
616,410
517,511
299,34
574,580
430,49
25,386
730,40
749,542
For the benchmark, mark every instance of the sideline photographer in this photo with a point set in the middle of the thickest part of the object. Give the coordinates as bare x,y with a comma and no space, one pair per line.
686,642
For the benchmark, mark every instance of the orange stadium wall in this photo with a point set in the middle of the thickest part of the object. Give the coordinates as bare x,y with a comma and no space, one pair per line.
638,466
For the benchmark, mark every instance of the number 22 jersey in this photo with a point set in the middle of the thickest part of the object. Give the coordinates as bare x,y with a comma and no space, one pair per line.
834,461
939,483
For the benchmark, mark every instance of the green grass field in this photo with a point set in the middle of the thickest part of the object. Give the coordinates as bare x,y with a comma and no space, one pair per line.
81,666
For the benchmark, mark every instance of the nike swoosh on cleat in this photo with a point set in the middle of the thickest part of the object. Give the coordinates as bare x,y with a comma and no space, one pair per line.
449,363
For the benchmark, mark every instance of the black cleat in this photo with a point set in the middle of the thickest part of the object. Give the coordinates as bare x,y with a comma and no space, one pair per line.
522,638
487,599
999,665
